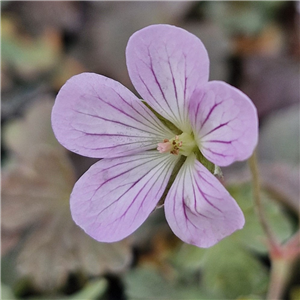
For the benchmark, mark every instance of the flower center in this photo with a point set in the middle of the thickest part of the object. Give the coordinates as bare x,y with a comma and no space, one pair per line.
183,144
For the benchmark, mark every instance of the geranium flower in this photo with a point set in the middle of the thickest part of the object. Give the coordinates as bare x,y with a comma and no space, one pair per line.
98,117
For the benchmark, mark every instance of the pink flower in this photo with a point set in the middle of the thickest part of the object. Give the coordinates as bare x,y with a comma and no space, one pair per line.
97,117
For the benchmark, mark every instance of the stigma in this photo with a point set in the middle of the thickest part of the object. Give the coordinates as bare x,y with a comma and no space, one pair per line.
183,144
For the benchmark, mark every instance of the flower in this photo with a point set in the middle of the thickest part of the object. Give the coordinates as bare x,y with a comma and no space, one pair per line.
98,117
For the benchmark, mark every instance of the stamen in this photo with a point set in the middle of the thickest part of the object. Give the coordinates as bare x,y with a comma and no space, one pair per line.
183,144
164,147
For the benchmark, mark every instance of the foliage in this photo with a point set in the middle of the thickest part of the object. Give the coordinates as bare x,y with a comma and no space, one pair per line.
252,44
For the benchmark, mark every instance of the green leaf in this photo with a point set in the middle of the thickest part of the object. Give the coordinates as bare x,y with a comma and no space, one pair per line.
242,17
227,270
6,293
250,297
231,268
93,290
252,235
232,271
148,283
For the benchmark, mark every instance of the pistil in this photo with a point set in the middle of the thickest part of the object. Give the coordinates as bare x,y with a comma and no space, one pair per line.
183,144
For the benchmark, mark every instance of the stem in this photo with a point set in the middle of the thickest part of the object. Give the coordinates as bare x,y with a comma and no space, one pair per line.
282,256
280,275
283,263
257,201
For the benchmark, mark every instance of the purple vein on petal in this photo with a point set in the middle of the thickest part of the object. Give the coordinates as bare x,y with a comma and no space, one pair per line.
221,142
161,169
195,197
146,86
185,80
132,185
174,85
109,134
183,196
216,128
156,123
128,170
116,165
123,112
113,121
146,109
204,195
148,160
174,196
204,179
160,88
146,146
119,110
210,112
216,153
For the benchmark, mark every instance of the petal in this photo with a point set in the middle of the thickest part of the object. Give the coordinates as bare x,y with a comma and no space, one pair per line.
224,122
98,117
199,209
115,196
166,64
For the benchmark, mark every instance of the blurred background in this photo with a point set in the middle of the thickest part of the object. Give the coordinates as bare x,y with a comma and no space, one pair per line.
253,45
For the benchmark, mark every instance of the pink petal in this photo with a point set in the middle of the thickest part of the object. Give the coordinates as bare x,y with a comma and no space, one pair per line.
115,196
98,117
224,122
166,64
199,209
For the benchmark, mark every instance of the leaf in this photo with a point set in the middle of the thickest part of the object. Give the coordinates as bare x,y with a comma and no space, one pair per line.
149,284
232,272
36,187
55,246
25,135
6,293
227,270
93,290
31,192
231,268
281,181
279,136
250,297
28,56
246,18
252,236
189,258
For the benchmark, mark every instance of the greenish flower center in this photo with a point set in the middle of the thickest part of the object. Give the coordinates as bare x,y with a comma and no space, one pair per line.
183,144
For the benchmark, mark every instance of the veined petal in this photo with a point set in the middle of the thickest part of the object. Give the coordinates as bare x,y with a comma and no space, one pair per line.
98,117
166,64
198,208
224,122
115,196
